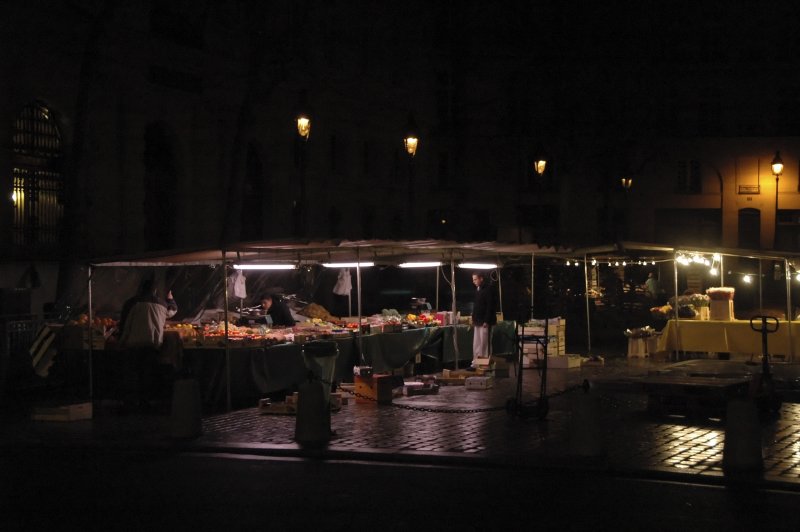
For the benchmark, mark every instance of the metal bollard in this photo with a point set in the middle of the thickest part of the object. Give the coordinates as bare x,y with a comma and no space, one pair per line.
741,452
313,419
186,420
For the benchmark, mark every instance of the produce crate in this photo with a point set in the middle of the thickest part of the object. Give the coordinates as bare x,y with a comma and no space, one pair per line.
411,389
479,383
68,412
376,388
563,361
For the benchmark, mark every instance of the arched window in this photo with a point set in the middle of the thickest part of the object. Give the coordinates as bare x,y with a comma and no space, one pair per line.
38,184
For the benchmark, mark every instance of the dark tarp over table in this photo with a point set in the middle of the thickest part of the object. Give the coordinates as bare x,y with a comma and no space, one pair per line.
256,372
260,371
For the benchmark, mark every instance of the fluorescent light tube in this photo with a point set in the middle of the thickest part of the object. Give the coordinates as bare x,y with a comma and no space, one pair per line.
419,264
347,264
263,266
478,265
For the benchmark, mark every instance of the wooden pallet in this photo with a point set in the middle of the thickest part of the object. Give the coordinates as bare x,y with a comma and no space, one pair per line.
693,396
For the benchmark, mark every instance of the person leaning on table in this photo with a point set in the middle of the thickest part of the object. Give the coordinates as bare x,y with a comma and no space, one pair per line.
274,306
484,316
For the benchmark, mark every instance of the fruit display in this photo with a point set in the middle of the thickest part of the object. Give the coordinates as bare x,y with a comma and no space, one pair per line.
99,323
312,310
662,312
422,320
213,335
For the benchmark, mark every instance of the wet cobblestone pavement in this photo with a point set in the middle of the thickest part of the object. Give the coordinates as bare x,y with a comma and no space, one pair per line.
426,428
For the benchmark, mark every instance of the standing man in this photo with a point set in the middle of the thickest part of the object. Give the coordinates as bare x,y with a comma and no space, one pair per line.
484,316
142,325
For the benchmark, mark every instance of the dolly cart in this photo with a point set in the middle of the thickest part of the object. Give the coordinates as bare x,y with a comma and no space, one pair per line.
524,335
763,386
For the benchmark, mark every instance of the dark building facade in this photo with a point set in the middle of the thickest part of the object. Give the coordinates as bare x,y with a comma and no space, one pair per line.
134,127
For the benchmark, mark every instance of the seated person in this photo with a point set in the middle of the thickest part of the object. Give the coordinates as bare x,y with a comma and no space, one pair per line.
276,309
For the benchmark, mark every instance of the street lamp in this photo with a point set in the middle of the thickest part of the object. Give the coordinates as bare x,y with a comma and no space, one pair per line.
303,120
627,183
303,125
777,170
411,142
411,139
303,117
539,166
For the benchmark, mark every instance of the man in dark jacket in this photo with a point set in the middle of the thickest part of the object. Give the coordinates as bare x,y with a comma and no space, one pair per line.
484,316
277,310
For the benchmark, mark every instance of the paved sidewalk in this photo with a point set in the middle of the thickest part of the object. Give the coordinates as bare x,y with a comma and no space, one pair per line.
432,429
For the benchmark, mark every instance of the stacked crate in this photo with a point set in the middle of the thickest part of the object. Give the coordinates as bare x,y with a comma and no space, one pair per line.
533,351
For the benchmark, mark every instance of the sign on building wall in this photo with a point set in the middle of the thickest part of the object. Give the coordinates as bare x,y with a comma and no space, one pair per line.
747,177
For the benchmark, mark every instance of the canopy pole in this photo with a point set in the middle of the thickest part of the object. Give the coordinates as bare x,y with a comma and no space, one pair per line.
760,292
453,307
500,284
675,310
227,345
532,255
91,340
788,276
358,300
588,317
438,273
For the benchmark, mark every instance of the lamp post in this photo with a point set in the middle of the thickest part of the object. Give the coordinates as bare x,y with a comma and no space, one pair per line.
539,165
777,170
627,183
303,120
410,142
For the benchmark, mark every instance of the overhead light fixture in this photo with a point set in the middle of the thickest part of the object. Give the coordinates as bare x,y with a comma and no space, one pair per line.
264,266
348,264
747,278
419,264
303,116
478,265
411,139
777,164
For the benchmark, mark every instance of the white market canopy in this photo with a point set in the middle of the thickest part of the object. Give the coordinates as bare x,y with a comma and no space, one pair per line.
333,250
344,251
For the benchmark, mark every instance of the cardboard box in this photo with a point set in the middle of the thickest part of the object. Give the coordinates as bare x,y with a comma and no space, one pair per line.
563,361
479,383
376,388
637,348
411,389
721,309
68,412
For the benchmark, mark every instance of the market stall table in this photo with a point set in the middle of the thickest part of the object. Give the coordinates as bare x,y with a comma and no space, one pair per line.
734,336
502,341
